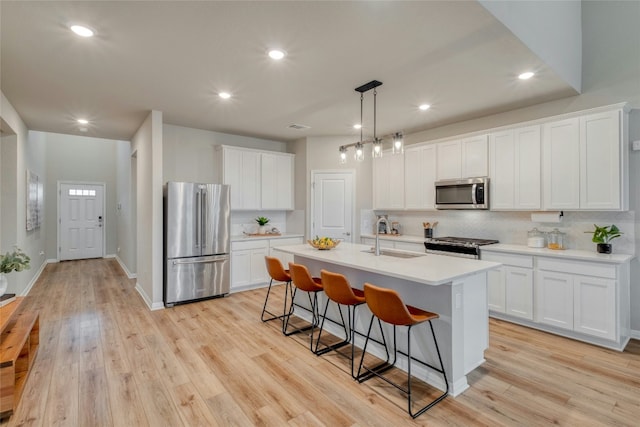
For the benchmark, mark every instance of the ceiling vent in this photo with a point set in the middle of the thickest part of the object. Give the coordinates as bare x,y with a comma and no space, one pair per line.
298,127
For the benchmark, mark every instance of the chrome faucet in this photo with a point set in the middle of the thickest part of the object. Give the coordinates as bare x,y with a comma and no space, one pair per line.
377,249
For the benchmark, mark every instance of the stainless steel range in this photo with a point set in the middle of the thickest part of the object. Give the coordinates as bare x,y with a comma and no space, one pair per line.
456,246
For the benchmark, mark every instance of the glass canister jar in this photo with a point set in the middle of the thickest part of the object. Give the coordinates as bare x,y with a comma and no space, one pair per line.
556,239
535,238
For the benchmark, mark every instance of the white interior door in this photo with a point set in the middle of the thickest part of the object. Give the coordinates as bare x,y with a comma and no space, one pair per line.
332,210
81,221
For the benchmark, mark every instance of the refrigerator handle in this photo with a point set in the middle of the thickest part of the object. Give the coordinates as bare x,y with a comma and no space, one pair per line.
203,230
198,217
203,261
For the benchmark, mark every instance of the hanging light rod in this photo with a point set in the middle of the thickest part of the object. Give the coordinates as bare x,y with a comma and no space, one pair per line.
368,86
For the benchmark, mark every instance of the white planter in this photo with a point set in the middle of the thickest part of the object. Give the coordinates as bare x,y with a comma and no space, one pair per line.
3,284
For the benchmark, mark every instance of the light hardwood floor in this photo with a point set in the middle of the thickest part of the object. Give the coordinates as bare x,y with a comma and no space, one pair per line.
106,360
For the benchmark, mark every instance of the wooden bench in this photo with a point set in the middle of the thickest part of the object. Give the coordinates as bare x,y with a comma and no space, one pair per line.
19,340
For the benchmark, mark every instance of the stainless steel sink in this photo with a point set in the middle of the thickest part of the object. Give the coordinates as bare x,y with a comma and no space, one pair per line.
397,254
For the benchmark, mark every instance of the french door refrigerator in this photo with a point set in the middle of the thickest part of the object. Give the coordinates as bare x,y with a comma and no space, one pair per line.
196,241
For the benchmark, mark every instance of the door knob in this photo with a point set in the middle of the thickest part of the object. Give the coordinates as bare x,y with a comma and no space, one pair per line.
347,233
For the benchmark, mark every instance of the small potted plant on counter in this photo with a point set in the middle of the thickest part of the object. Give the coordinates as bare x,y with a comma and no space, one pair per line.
603,235
262,222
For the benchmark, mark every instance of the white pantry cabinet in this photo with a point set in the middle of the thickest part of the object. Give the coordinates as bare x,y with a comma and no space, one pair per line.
515,158
419,177
585,163
259,180
388,181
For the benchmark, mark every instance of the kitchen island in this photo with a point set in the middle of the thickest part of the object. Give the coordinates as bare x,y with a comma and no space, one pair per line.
455,288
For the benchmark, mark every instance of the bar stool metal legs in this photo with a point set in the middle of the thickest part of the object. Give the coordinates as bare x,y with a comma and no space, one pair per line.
279,274
385,304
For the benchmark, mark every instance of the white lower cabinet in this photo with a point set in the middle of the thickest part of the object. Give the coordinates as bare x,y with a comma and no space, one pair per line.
585,300
594,306
554,299
510,287
248,267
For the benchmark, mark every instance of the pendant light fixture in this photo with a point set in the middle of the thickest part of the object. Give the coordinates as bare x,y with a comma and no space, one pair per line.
376,143
398,144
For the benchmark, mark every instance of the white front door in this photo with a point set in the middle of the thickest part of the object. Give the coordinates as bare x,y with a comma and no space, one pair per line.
81,221
332,210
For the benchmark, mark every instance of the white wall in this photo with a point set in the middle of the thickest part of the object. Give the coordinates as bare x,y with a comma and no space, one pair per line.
551,29
190,156
322,154
634,199
79,159
125,214
146,146
20,156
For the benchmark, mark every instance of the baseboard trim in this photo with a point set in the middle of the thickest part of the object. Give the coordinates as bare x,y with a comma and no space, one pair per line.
124,268
635,334
35,278
152,306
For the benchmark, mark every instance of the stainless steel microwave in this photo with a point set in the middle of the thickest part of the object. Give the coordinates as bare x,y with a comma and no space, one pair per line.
469,193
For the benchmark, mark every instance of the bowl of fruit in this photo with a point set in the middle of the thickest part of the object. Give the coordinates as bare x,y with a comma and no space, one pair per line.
323,243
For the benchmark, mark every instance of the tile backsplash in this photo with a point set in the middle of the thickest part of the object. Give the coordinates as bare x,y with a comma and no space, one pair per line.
510,227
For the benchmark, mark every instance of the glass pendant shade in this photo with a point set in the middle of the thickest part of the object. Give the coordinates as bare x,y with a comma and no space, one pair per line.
359,156
343,155
377,148
398,146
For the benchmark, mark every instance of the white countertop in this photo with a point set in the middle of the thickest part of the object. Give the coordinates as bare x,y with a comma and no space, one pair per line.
244,237
429,269
396,237
564,254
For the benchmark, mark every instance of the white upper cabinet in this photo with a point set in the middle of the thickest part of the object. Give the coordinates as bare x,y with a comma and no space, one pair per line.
474,156
515,169
466,158
600,161
561,147
259,180
449,160
388,181
241,170
277,181
585,163
419,177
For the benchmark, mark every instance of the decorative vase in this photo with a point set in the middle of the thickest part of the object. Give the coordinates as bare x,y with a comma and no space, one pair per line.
4,283
262,229
604,248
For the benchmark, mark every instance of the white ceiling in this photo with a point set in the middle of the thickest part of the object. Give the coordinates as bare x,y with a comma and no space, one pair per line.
176,56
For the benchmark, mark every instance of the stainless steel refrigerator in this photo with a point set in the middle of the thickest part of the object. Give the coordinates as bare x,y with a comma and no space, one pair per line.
196,241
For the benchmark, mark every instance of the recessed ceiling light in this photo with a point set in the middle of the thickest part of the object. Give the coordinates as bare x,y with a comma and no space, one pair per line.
277,54
357,126
424,107
526,76
82,30
224,95
83,121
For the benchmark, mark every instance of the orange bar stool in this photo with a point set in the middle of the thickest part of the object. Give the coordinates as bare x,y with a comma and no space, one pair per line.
302,280
278,274
386,305
337,288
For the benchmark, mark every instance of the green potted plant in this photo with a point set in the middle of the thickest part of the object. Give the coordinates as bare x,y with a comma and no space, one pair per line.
11,261
603,235
262,222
